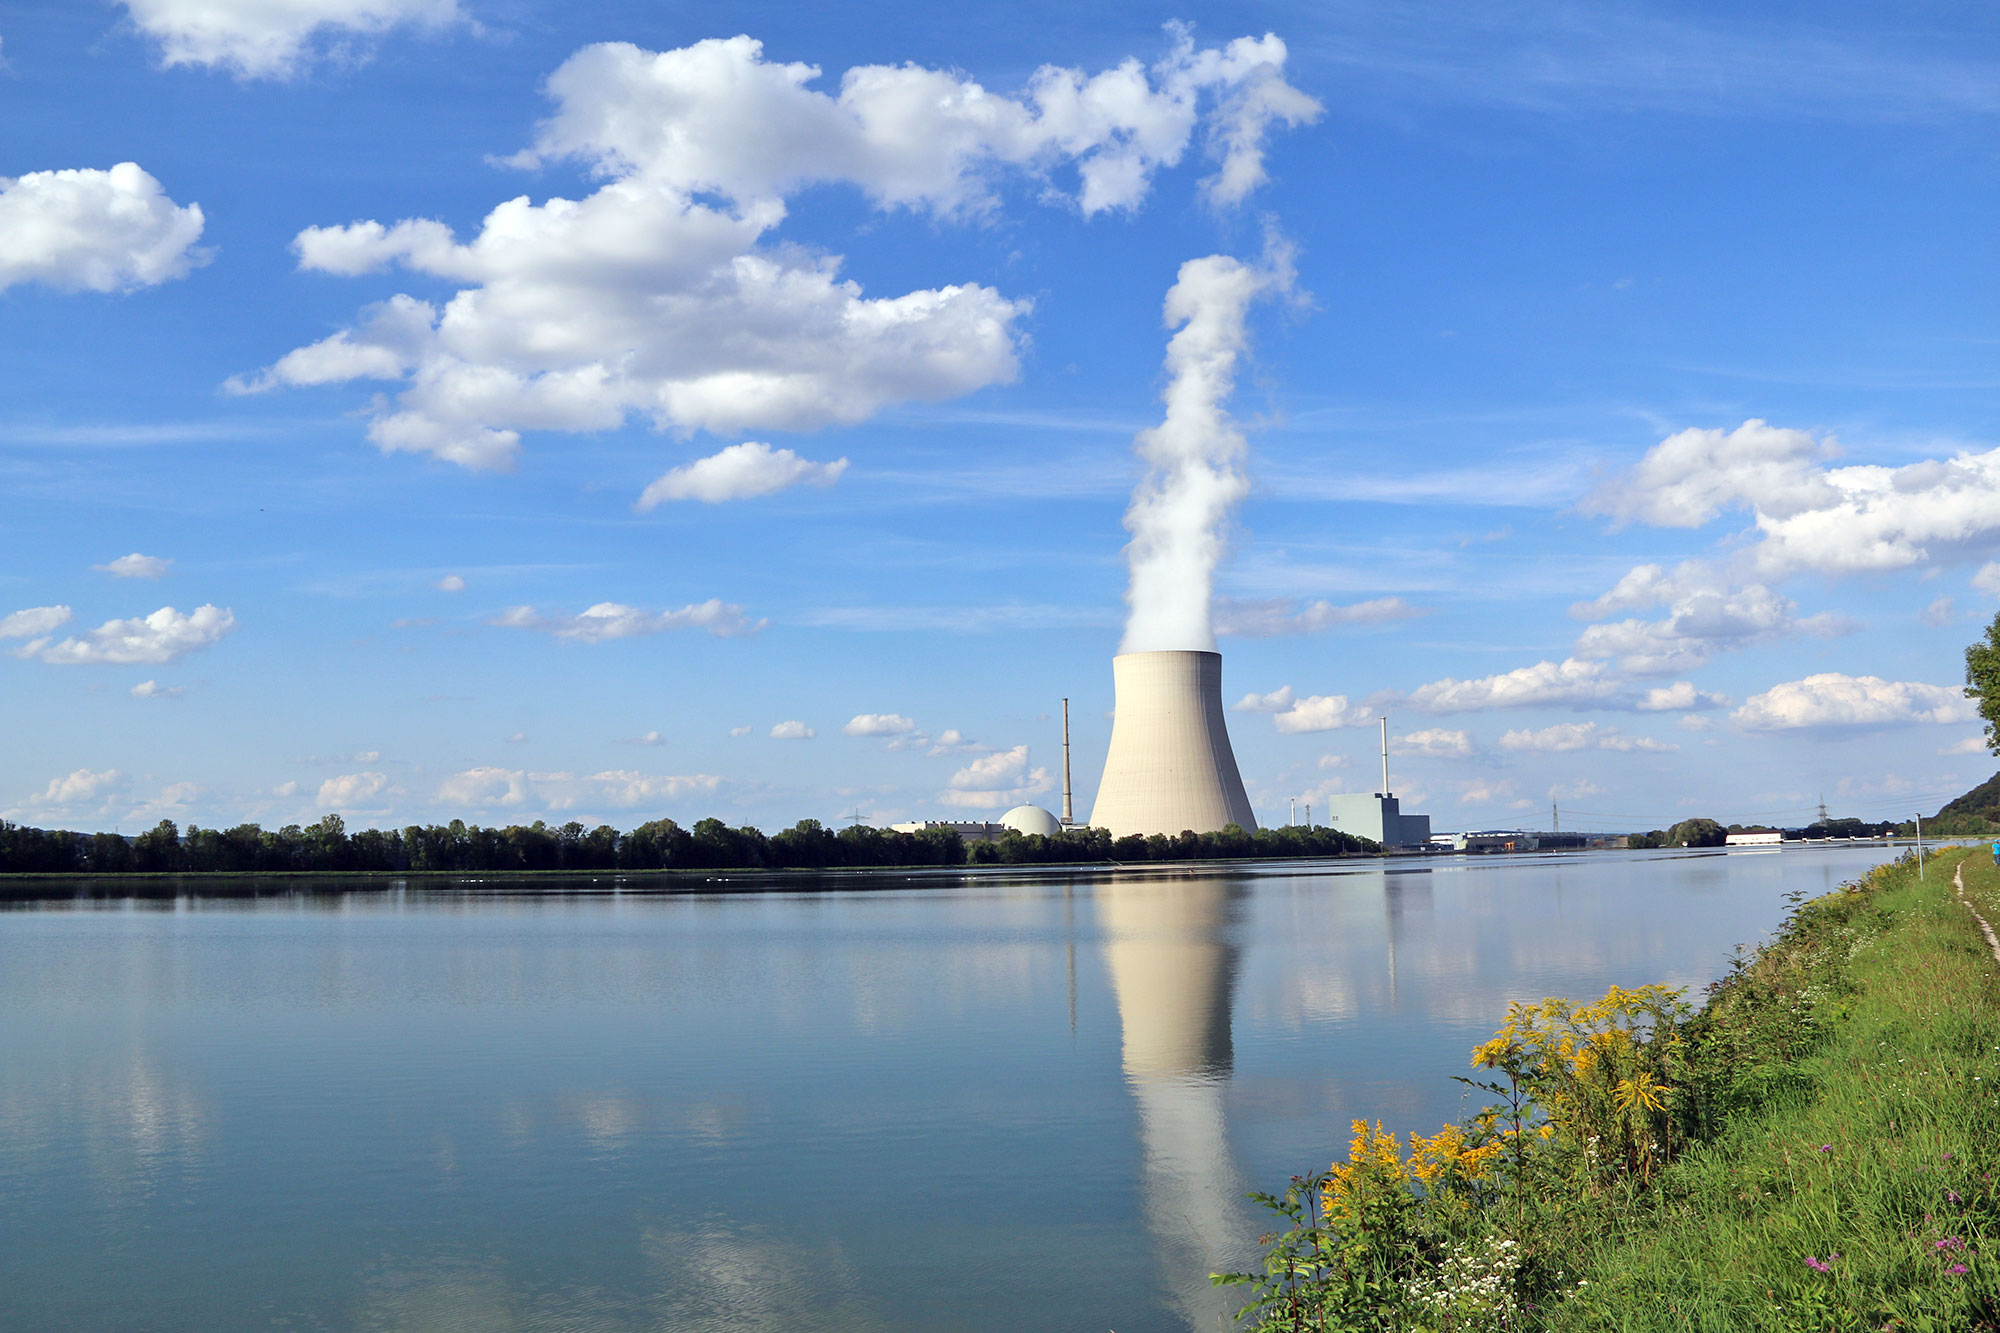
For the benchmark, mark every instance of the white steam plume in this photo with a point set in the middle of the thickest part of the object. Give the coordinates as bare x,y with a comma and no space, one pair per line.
1194,458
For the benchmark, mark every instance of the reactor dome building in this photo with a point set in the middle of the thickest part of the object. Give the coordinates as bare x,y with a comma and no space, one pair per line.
1169,767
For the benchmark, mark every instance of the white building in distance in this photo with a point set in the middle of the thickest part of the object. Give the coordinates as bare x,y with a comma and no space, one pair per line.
1026,820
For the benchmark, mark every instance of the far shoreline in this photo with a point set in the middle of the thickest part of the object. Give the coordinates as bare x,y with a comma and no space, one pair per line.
29,886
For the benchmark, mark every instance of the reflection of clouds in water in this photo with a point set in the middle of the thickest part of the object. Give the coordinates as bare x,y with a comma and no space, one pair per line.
714,1279
711,1279
117,1118
609,1122
614,1121
1167,946
444,1296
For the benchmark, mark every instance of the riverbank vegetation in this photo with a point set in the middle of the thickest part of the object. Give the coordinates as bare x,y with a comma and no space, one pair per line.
1815,1148
661,844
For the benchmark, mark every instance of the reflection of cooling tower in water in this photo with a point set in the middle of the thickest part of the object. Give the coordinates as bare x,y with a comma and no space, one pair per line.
1166,943
1169,767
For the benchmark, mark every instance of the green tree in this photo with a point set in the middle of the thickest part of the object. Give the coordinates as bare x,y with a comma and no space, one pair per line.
159,848
1697,833
1982,681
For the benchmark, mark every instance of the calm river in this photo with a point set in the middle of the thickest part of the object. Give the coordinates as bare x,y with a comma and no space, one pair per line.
1029,1102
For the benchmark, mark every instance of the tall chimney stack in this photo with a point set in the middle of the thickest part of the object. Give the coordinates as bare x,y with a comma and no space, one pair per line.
1069,817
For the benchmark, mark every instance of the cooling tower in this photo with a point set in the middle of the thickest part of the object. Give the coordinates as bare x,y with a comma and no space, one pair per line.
1170,767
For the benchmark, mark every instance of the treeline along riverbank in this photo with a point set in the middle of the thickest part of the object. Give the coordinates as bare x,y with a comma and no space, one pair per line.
661,844
1815,1148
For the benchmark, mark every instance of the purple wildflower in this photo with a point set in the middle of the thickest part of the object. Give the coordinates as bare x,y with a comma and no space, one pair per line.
1826,1147
1819,1265
1949,1243
1958,1268
1951,1196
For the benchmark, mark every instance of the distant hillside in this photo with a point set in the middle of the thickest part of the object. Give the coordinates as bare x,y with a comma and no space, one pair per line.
1980,806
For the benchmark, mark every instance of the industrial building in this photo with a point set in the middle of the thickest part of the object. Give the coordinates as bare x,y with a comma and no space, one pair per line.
1378,817
1509,840
1169,767
1022,819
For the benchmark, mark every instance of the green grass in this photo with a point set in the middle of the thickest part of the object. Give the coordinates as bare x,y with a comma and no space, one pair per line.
1833,1118
1881,1144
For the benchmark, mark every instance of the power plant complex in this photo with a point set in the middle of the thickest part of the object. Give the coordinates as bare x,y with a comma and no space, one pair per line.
1169,768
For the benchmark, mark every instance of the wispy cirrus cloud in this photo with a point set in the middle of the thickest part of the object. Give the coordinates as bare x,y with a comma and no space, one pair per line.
1269,617
491,787
613,620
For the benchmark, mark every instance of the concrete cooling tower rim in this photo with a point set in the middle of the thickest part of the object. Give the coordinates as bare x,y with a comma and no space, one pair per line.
1170,767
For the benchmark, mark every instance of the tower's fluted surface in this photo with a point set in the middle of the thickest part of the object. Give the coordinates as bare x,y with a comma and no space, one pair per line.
1169,767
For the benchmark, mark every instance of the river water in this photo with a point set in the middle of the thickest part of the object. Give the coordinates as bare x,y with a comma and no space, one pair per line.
1028,1101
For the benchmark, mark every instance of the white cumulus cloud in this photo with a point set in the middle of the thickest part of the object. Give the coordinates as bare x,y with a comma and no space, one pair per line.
1269,617
451,583
135,566
665,296
1566,736
34,622
1808,517
99,231
1321,712
953,741
1693,475
152,689
1681,696
82,787
1570,681
1489,791
352,791
611,620
880,724
1435,742
740,472
1704,617
792,731
164,636
272,39
1002,778
1277,701
1831,699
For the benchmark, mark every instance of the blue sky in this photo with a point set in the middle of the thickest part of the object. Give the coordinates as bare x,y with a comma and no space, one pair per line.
1614,388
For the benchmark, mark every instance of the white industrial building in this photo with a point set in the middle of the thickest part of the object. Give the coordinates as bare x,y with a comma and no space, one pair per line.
1378,817
1022,819
1169,767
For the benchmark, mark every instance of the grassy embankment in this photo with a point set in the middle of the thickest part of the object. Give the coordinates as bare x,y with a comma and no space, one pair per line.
1815,1149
